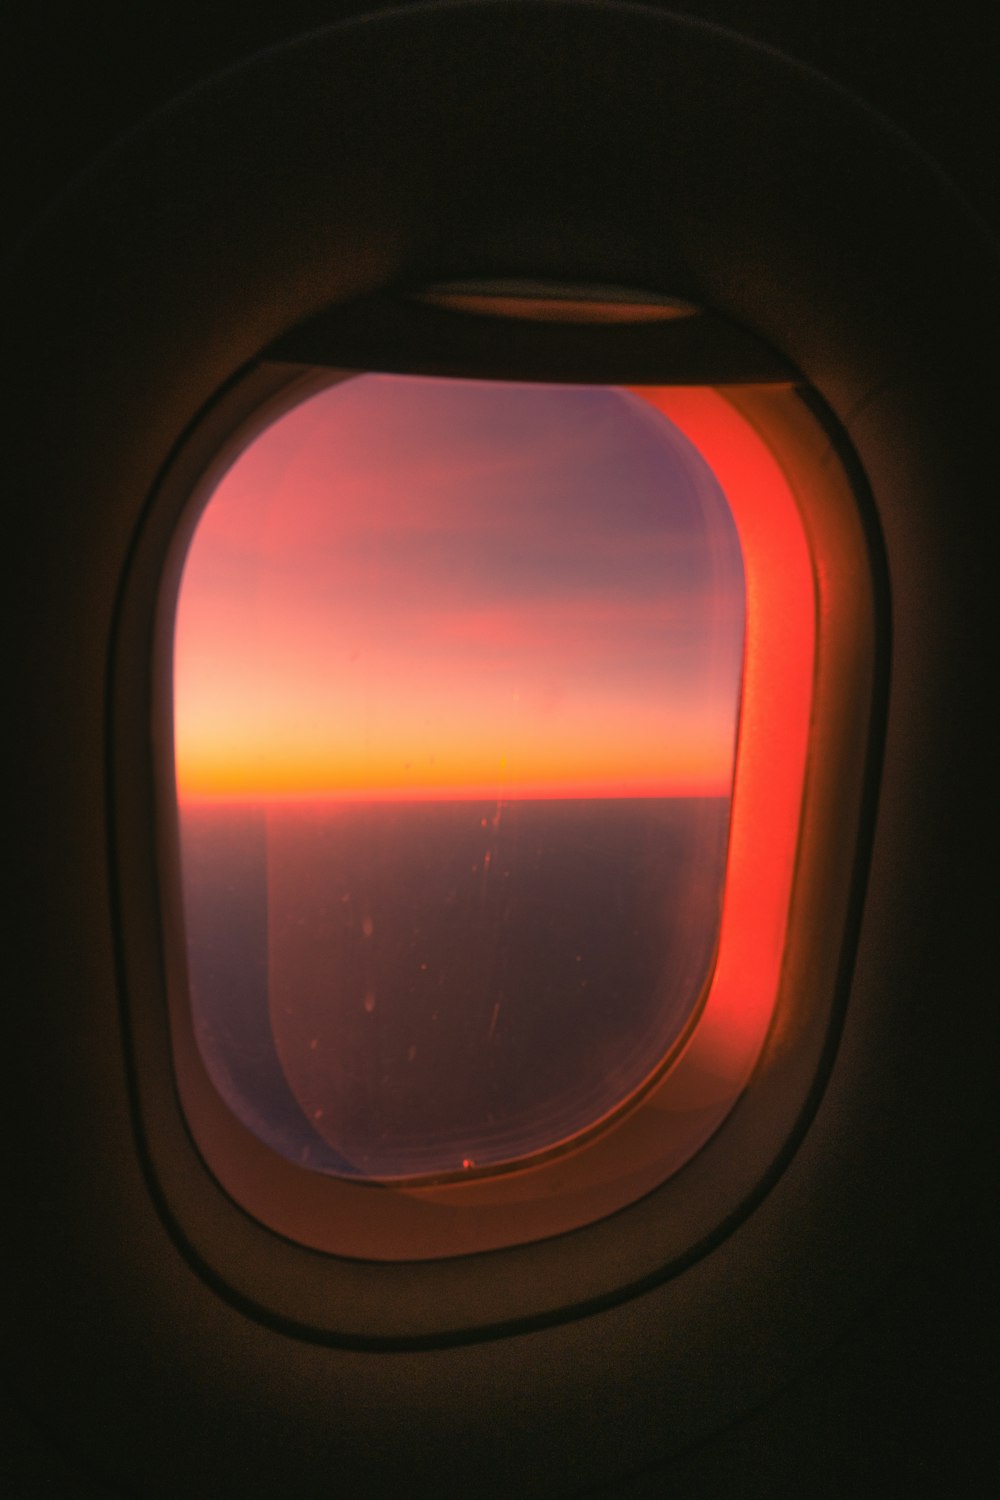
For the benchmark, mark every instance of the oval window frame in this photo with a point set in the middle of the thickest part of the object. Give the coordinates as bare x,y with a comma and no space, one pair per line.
475,1222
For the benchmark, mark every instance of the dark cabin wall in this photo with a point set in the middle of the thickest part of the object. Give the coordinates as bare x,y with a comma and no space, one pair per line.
74,77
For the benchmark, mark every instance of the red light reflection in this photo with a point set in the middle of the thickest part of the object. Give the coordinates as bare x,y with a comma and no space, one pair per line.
780,644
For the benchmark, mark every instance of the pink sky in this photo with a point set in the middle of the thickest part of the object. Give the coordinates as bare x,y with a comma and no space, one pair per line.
420,587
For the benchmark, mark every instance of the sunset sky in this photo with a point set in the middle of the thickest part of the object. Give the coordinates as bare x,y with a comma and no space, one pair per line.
412,587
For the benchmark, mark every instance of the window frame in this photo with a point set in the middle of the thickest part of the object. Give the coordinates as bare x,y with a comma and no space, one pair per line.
478,1222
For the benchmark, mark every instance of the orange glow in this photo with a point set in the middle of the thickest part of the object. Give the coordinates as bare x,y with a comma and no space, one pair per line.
457,590
553,770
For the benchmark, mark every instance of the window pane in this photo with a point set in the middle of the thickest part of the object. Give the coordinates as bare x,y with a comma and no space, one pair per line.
457,673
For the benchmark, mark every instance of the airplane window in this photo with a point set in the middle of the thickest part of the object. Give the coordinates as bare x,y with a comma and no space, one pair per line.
457,675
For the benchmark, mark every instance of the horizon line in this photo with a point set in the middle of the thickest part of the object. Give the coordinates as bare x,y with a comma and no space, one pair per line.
214,799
